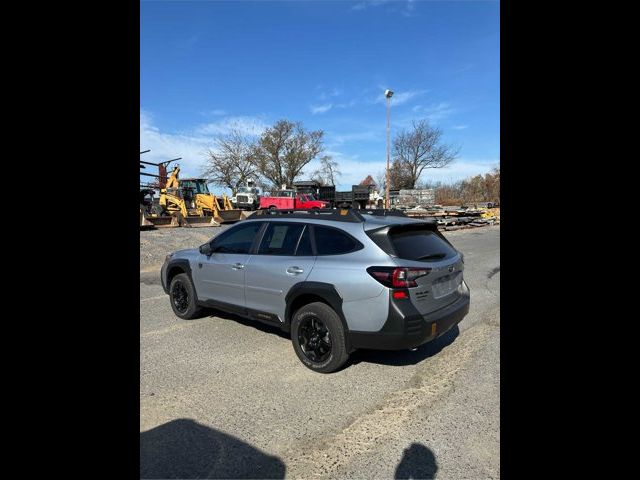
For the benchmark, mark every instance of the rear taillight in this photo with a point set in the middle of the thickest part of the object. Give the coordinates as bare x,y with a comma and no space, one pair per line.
397,277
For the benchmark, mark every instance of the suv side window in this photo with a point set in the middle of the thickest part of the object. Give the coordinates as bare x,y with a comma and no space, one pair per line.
238,239
280,238
331,241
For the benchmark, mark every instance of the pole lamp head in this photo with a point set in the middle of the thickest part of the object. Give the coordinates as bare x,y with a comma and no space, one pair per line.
388,93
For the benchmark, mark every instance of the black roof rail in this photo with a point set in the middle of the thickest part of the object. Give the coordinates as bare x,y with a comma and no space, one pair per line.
335,214
383,212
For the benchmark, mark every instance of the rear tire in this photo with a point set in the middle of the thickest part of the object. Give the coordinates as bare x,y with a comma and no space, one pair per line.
183,297
318,338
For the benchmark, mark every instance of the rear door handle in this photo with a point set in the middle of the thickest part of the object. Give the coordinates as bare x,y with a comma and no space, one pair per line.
237,266
294,270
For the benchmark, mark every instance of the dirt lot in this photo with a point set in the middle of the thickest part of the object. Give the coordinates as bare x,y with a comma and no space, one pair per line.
222,397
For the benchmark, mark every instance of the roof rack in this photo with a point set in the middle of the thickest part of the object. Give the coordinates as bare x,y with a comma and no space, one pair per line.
383,212
335,214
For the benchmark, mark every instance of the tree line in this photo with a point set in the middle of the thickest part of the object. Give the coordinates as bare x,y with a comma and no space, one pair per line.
480,188
280,154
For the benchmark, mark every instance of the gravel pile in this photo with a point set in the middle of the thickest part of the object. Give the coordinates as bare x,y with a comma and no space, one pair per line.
156,244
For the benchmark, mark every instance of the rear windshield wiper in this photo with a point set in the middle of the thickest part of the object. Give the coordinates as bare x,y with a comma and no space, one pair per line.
432,256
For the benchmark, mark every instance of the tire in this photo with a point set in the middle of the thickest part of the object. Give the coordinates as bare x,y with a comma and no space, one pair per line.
319,358
272,208
183,308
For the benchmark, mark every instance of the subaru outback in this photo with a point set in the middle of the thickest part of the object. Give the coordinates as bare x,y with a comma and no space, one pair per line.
336,280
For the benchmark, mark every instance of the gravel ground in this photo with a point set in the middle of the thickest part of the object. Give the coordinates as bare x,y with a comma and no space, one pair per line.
156,244
222,397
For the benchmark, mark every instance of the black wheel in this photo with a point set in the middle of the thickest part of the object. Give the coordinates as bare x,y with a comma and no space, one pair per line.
272,208
318,338
183,297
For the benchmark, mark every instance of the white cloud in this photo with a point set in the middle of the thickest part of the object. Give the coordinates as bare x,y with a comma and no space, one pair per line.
460,127
334,92
165,146
435,112
244,124
193,145
399,98
341,138
368,3
321,108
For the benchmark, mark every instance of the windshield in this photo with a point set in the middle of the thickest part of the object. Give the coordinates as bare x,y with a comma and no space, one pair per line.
310,197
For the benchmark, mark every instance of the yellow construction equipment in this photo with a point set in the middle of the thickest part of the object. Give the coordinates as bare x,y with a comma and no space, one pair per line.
184,202
179,202
197,195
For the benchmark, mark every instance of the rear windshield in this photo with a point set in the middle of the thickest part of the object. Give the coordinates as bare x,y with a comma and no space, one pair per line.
424,245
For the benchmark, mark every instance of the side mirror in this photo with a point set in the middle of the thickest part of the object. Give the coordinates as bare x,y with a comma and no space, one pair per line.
206,249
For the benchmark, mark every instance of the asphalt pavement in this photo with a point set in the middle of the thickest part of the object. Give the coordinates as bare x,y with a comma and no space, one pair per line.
223,397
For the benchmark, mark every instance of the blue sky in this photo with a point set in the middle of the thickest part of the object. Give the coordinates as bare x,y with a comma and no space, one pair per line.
208,66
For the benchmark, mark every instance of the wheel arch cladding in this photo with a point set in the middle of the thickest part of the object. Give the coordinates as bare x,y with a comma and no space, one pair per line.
176,267
304,293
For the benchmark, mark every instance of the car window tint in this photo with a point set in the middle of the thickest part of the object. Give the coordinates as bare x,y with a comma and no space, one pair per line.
421,245
304,247
331,241
280,238
238,239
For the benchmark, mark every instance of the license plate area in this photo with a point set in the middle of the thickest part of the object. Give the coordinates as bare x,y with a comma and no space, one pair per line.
446,285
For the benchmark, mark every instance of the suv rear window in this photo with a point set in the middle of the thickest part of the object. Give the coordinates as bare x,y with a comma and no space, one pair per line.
420,244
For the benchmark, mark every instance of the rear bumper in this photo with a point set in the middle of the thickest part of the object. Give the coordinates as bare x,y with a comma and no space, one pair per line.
406,328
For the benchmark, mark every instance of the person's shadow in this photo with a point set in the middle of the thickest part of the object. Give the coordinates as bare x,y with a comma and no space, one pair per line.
185,449
418,462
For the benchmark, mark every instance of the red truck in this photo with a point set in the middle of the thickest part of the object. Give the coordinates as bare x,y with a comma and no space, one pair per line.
289,199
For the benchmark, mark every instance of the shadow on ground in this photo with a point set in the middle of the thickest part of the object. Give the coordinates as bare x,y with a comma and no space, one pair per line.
382,357
406,357
185,449
263,327
418,462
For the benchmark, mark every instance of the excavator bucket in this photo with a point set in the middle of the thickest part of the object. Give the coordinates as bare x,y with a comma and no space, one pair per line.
144,223
197,221
229,216
164,222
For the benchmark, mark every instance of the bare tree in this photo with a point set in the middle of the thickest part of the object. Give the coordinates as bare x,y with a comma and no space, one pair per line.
284,150
328,171
400,175
230,164
418,149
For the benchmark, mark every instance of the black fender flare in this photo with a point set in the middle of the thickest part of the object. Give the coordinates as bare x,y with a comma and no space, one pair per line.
326,291
184,265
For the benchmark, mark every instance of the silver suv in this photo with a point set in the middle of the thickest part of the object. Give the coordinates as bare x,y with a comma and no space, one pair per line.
337,280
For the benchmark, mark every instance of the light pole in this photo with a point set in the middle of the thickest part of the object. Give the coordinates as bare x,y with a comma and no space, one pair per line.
387,201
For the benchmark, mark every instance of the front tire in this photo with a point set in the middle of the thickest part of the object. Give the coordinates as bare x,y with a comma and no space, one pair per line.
183,297
318,338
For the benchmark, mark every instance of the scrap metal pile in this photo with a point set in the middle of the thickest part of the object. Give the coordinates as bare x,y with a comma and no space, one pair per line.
456,218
